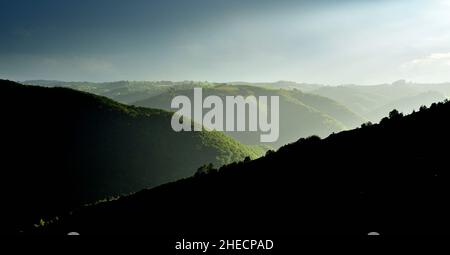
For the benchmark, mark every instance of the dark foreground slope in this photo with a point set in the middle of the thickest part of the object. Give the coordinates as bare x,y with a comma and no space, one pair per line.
391,178
62,148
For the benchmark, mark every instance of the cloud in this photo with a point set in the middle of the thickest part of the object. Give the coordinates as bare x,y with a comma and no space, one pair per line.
432,59
432,68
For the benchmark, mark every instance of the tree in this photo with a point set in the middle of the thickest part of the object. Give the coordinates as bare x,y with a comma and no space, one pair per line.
367,124
394,114
205,169
269,152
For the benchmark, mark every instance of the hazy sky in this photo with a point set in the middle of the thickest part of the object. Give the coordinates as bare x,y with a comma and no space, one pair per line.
316,41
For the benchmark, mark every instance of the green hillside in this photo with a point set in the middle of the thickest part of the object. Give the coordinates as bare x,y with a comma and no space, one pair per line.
301,114
63,148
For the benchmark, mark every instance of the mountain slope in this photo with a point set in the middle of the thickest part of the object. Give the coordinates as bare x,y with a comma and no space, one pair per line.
327,106
373,102
391,178
407,104
288,85
364,99
301,114
63,148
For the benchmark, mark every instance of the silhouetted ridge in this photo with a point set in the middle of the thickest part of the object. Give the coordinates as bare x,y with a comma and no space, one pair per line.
389,178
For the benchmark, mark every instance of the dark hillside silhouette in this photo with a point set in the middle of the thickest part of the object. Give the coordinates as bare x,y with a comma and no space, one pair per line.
390,178
62,148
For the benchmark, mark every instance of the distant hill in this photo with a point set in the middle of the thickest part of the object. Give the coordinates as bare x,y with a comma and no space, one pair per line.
364,99
360,99
406,105
353,104
301,114
389,178
305,87
373,102
122,91
63,148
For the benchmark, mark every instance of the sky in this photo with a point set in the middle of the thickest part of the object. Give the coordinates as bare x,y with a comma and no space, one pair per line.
313,41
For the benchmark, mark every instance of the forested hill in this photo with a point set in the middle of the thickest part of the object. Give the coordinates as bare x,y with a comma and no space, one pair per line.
301,114
63,148
390,178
